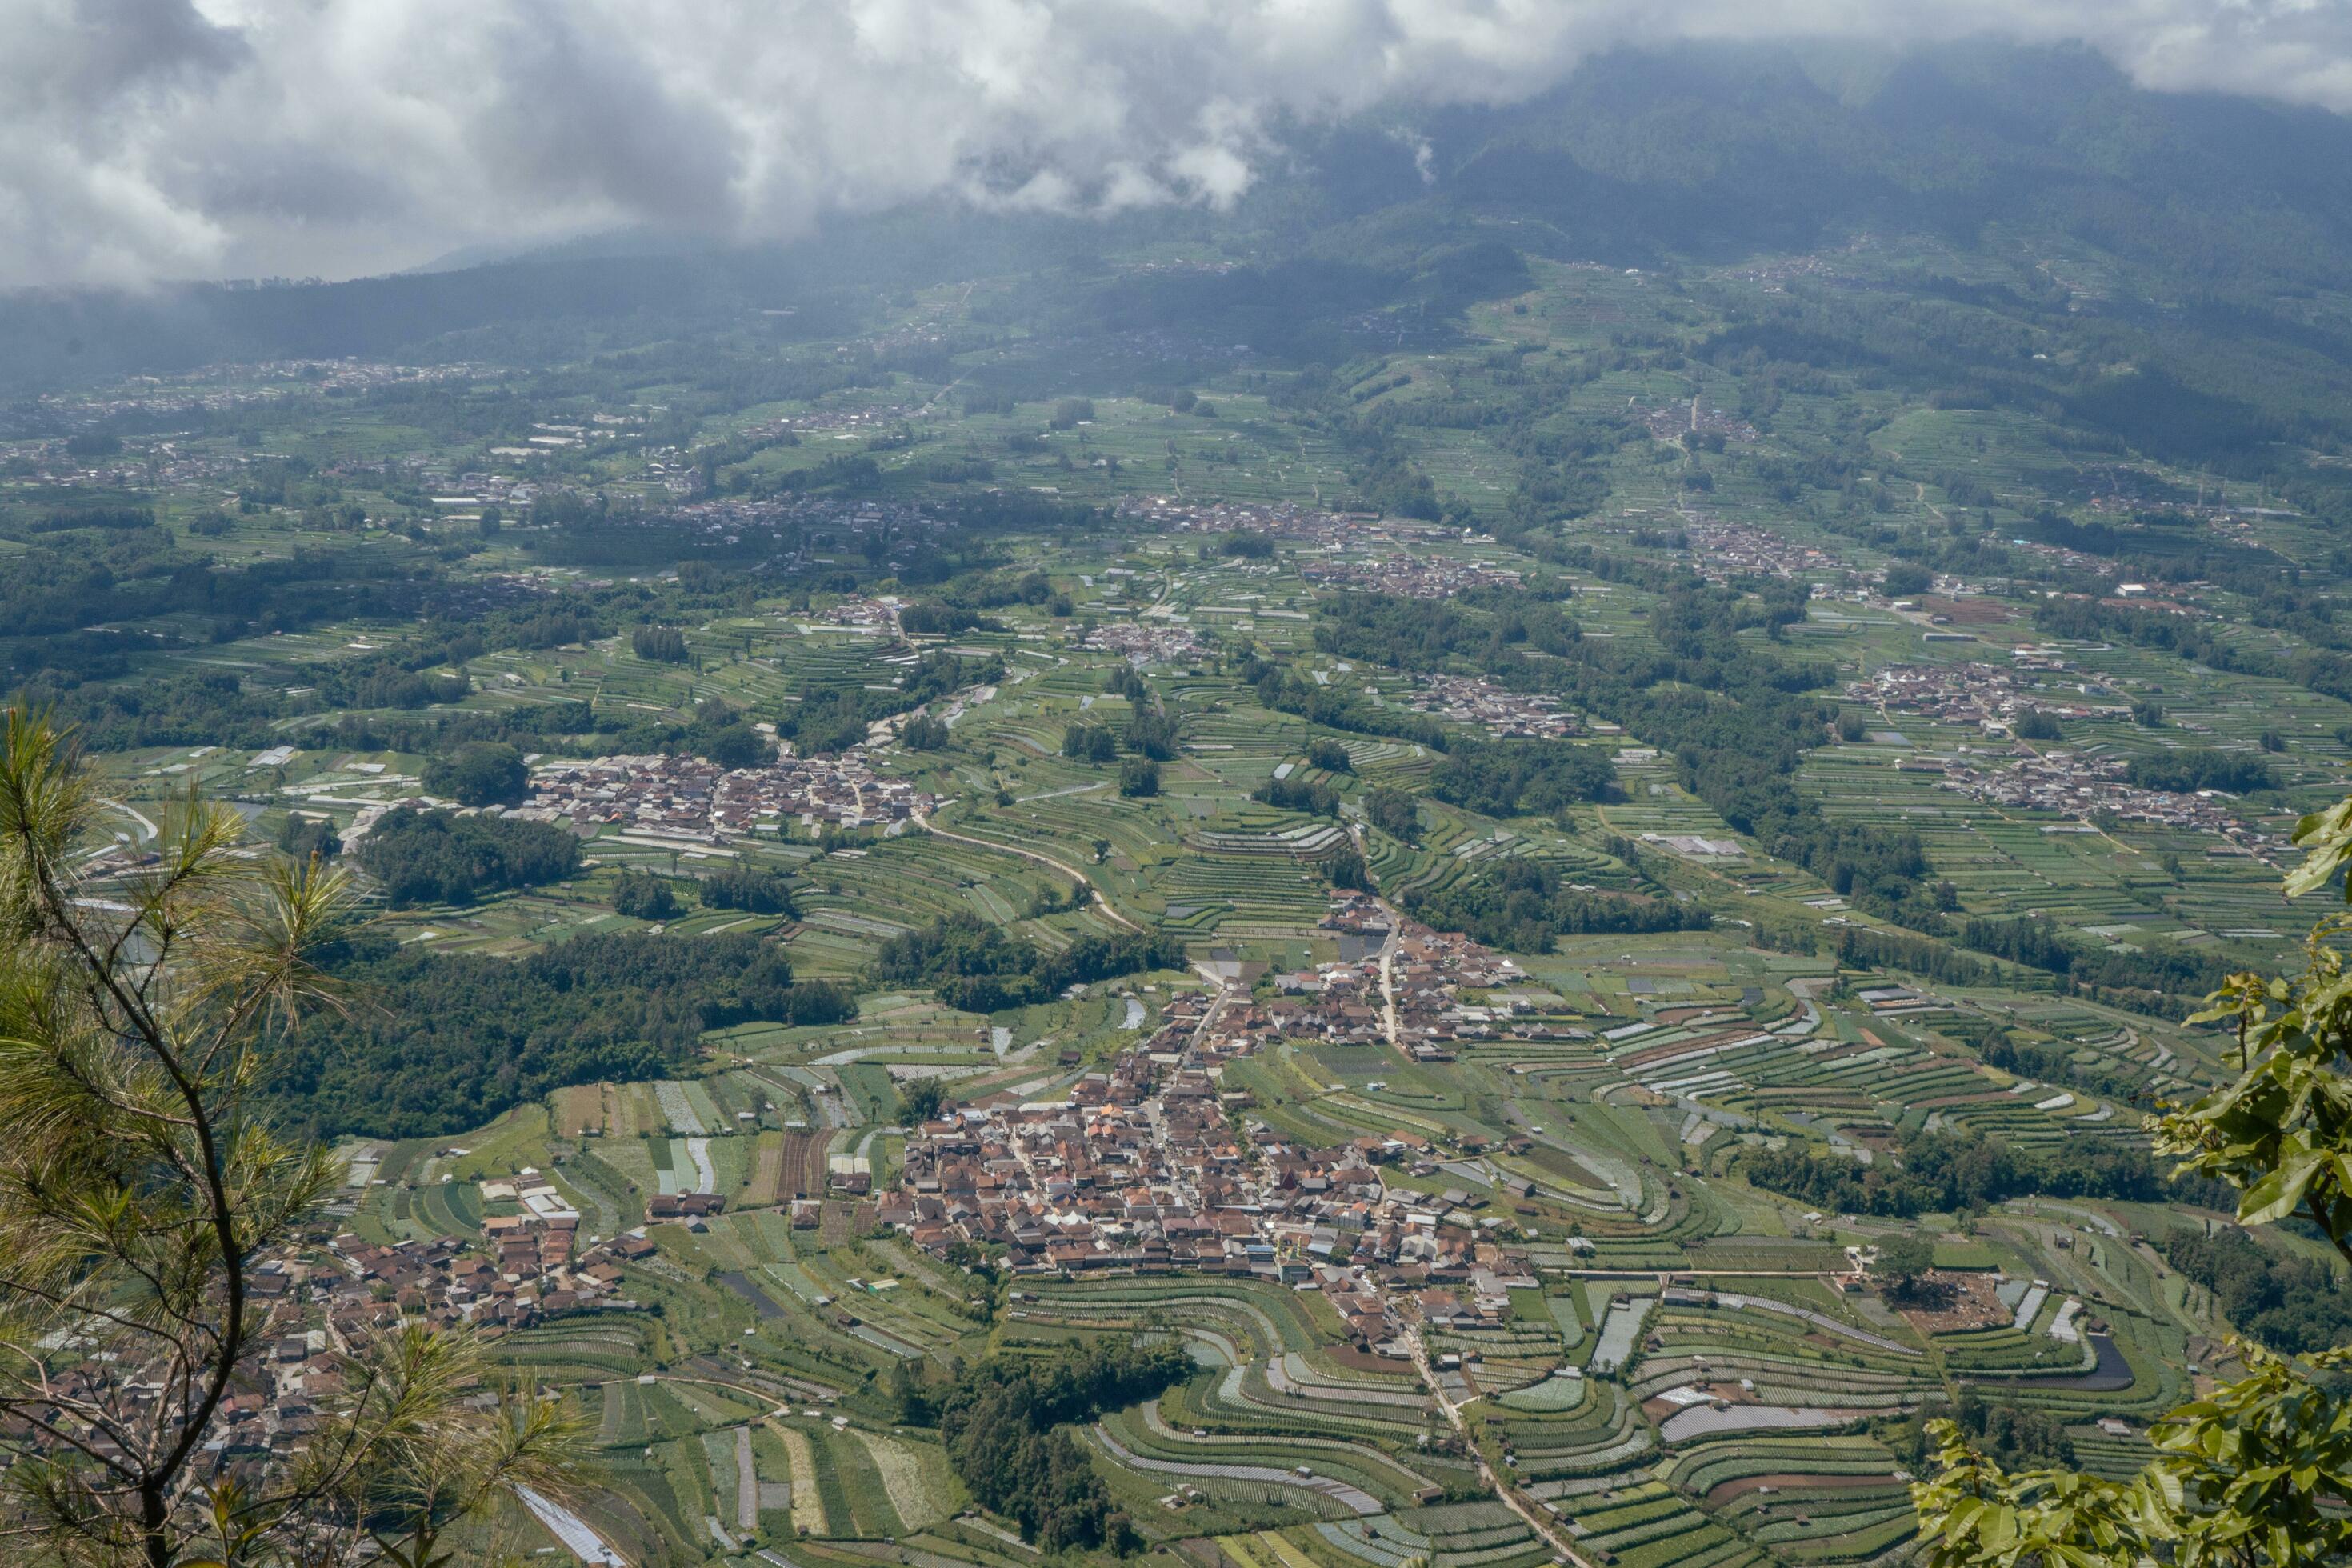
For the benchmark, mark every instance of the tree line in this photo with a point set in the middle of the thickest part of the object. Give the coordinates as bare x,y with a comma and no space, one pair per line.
1949,1173
972,964
1004,1419
1524,906
435,1043
434,856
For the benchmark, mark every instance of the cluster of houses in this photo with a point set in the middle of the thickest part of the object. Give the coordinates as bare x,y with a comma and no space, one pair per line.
2079,786
530,1263
1141,1170
1344,1002
1988,696
1722,549
1150,1165
525,1269
877,617
1473,700
1676,420
273,1391
1171,514
320,1302
873,419
1157,644
693,800
819,526
1332,531
1410,577
221,389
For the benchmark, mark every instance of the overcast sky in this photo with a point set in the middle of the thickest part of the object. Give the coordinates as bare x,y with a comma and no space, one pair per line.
162,138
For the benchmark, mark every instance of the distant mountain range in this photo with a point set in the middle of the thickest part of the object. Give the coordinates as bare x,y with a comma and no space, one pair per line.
1692,153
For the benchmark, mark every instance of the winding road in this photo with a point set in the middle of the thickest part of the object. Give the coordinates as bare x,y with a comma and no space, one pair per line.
1537,1518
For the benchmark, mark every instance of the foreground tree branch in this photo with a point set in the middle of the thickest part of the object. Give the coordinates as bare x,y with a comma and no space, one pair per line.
139,1187
2261,1472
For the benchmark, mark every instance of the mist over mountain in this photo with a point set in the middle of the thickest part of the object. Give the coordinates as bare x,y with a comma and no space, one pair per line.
179,139
1693,153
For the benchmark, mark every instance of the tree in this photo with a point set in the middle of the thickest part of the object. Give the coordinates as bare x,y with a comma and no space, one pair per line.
1090,743
1150,735
1000,1421
659,645
925,733
1139,778
486,772
439,857
1297,794
1906,581
721,735
2034,724
920,1099
1394,812
2193,768
2261,1470
429,1467
974,965
763,890
139,1191
642,896
1902,1263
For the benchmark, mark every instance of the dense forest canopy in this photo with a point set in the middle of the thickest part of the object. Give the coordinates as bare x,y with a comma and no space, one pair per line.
444,856
432,1044
974,965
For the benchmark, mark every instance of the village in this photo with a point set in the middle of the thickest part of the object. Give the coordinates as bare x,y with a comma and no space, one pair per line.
321,1301
1473,699
1289,519
1139,644
1148,1165
2082,788
1990,697
1333,530
221,388
692,799
1409,576
1676,420
1722,549
1151,1165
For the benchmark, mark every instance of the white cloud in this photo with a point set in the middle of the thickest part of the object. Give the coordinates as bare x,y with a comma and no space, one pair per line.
174,137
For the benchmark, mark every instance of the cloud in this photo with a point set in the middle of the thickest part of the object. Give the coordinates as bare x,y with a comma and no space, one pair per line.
144,139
